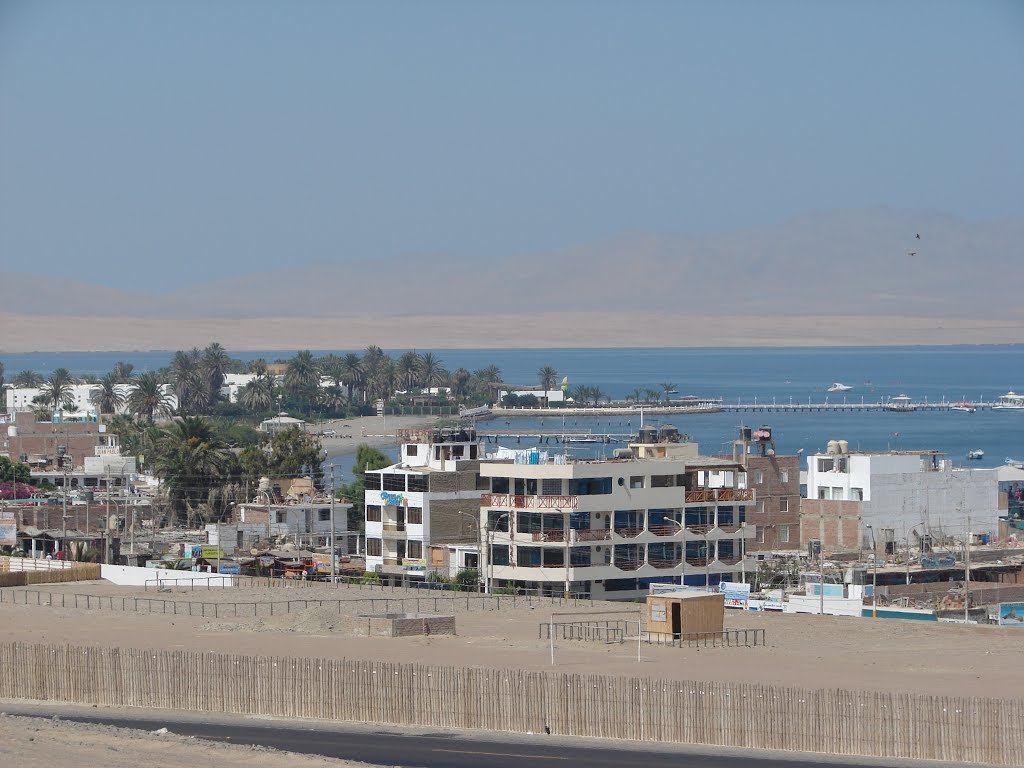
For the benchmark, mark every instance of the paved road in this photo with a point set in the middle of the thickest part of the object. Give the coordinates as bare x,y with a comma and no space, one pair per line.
441,749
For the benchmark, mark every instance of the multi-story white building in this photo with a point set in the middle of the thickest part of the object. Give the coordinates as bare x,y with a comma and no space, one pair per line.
611,527
306,522
424,510
904,492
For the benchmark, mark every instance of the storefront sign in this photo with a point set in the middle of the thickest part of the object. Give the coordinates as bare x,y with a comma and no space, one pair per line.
737,594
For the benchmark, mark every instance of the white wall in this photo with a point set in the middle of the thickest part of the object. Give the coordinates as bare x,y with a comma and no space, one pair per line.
130,576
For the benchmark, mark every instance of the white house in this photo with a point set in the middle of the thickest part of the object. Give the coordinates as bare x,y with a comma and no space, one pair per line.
422,513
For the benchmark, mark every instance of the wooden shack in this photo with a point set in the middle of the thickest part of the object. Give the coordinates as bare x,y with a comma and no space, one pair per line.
685,612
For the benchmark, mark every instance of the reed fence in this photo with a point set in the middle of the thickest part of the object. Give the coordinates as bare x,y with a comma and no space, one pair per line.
888,725
77,572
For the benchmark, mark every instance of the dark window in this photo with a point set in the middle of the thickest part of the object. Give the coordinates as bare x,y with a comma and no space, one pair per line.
498,520
520,486
373,513
579,521
414,515
499,485
419,483
499,554
412,450
579,556
528,557
663,481
394,482
593,486
531,487
324,515
372,482
373,547
414,550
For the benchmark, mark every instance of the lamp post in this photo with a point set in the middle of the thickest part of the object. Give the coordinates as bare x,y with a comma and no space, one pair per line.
874,575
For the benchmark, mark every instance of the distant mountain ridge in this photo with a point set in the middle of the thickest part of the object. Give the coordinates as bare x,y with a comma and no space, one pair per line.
852,261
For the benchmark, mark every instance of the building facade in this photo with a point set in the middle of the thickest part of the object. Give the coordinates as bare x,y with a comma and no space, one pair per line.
611,527
423,511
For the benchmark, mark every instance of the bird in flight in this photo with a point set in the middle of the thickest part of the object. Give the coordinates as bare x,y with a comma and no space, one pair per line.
911,253
918,236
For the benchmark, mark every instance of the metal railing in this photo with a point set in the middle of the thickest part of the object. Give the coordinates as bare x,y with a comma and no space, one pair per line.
727,638
518,501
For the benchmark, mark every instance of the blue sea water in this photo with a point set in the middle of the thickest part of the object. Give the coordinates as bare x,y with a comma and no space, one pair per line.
740,374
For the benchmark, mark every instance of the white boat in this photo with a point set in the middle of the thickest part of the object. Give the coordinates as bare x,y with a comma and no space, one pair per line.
1011,401
900,403
837,387
977,455
963,407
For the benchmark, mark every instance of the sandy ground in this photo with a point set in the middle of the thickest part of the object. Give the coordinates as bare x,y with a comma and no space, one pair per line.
41,333
39,743
805,651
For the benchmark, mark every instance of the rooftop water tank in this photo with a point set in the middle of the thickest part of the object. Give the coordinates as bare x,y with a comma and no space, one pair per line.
844,446
833,447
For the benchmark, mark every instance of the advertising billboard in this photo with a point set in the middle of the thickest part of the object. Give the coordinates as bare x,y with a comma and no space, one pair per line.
8,529
1011,614
737,594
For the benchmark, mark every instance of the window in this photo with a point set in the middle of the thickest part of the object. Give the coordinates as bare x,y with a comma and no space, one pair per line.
824,493
414,516
856,494
394,482
498,520
551,487
636,481
372,513
784,504
783,475
499,554
282,517
662,481
414,550
324,515
592,486
419,483
758,477
372,481
531,486
373,548
784,534
528,557
760,534
837,493
760,506
842,464
499,485
412,450
825,465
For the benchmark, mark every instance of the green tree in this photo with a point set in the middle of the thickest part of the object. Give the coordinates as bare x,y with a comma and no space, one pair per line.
459,381
302,378
215,365
108,396
147,398
27,380
14,471
258,394
548,377
667,389
191,386
367,457
409,369
192,463
294,453
352,373
123,372
58,392
432,372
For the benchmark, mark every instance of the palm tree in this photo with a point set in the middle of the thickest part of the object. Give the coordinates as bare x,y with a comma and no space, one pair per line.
215,364
122,372
352,373
188,381
668,388
488,380
333,399
332,367
27,380
58,392
191,461
459,379
409,369
302,378
108,397
548,377
147,398
652,395
258,394
432,371
258,367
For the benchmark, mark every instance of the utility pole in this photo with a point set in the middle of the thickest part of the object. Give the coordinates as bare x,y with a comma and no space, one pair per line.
821,580
967,573
334,567
106,523
65,461
568,533
874,575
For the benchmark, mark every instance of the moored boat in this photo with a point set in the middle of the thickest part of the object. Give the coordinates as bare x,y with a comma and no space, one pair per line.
976,455
839,387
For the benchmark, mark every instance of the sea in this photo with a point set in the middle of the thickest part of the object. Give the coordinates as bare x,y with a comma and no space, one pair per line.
744,375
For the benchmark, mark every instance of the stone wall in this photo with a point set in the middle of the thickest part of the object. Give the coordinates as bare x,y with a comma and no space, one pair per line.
409,624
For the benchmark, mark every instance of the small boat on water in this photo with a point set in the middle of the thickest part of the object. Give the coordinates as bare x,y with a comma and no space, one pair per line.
963,407
839,387
900,403
976,455
1011,401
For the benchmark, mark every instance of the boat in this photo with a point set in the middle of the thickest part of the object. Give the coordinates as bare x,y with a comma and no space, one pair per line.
838,387
900,403
1011,401
976,455
963,407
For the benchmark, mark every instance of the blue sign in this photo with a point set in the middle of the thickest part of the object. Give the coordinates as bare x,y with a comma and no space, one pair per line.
392,499
230,568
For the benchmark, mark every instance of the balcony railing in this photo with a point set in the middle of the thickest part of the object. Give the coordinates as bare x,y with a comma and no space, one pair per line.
517,501
664,564
730,560
700,529
628,533
707,495
664,530
593,534
553,534
393,527
698,561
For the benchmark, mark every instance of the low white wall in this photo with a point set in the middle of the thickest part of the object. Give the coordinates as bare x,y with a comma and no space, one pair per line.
130,576
35,564
834,606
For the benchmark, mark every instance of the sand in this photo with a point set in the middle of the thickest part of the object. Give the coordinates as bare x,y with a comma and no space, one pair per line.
43,743
43,333
802,650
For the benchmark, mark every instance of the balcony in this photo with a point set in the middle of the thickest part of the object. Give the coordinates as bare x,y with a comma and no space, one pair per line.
698,562
516,501
628,565
664,564
550,535
708,495
393,527
593,534
628,533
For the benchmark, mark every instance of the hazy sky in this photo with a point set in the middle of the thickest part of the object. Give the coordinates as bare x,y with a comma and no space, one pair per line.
158,144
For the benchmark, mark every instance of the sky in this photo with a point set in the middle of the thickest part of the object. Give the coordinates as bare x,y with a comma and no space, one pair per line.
158,145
